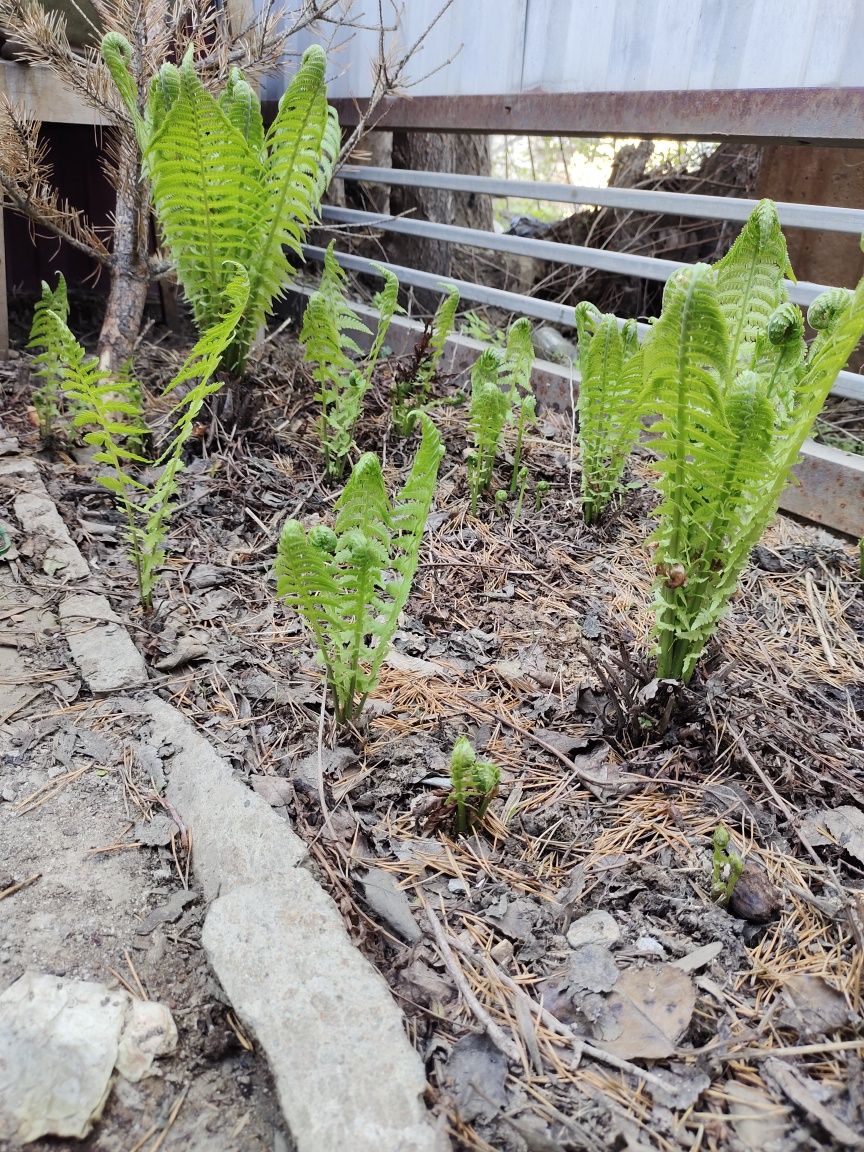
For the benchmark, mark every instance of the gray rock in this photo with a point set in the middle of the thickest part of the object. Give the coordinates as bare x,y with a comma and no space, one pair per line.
100,645
59,1042
236,837
346,1074
596,927
549,344
38,516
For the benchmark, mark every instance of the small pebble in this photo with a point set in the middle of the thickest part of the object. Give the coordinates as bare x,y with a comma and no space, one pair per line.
596,927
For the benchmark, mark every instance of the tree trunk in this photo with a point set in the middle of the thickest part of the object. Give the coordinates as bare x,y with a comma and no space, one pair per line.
130,276
438,152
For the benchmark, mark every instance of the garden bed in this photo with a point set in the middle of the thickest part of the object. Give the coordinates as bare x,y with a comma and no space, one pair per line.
665,1022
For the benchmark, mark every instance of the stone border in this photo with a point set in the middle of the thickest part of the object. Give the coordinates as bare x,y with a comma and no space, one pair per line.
346,1074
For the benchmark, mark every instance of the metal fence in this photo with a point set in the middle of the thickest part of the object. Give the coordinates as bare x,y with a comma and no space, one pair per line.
832,481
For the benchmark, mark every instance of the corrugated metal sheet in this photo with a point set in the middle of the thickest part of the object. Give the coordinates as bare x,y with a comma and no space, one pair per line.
518,46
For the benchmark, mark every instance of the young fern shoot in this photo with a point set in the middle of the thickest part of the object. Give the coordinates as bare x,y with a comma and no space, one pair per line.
411,391
338,367
737,392
490,407
518,362
474,784
226,192
350,582
48,398
114,423
609,405
500,393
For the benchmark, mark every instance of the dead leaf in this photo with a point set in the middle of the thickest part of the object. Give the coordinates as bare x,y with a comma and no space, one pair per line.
846,825
276,790
426,669
167,913
596,927
679,1088
186,651
387,900
477,1072
651,1009
700,957
814,1007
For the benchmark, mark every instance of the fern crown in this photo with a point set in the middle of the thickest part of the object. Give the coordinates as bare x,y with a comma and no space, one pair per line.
351,582
225,191
737,392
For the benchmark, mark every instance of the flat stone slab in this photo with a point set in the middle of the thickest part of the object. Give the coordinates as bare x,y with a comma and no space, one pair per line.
346,1074
100,645
38,516
237,838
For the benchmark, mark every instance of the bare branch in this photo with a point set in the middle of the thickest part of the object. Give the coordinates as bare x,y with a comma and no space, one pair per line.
27,183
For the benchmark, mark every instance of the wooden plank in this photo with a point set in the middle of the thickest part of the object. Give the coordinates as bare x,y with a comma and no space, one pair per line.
795,115
40,92
829,485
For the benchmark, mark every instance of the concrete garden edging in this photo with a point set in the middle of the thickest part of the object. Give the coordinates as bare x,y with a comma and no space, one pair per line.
346,1073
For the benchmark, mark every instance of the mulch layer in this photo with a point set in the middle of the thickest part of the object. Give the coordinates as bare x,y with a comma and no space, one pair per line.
564,971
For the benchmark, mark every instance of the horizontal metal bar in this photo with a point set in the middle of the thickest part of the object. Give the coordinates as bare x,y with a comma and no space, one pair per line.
791,115
848,384
818,216
479,293
622,263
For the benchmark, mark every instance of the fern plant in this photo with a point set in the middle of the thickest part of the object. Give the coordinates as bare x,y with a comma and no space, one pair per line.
47,398
516,378
737,392
609,405
411,388
351,582
115,426
225,191
500,394
490,407
339,369
474,784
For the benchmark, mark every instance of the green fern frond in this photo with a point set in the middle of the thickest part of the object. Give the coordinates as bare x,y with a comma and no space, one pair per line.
206,184
351,583
518,360
737,393
411,385
114,423
442,326
302,145
474,783
225,193
490,407
199,366
609,404
49,337
386,302
242,107
329,346
750,280
516,379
